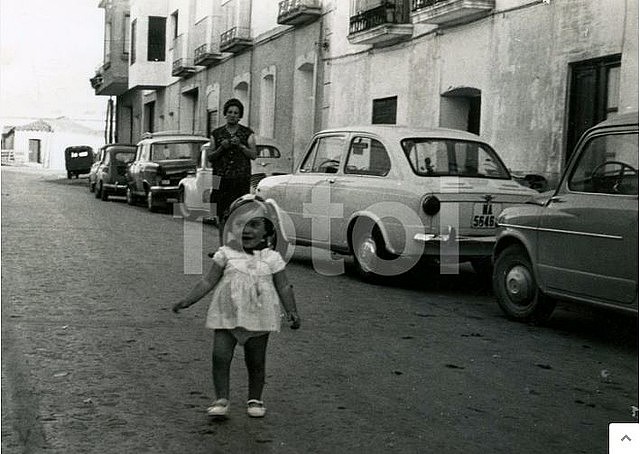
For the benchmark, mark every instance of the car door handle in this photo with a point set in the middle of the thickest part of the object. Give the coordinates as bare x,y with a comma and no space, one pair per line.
556,199
331,180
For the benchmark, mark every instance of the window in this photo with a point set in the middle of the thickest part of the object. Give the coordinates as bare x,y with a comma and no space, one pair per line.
324,156
133,41
384,111
107,42
156,40
176,150
446,157
266,151
149,114
124,157
126,33
174,24
367,157
267,103
608,165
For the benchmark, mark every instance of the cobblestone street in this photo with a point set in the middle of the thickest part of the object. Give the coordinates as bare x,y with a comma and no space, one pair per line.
94,361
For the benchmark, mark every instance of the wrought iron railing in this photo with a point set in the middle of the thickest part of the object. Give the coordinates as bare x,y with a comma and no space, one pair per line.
385,13
233,34
419,4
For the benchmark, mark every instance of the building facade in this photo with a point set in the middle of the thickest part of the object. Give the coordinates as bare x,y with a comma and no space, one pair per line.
528,75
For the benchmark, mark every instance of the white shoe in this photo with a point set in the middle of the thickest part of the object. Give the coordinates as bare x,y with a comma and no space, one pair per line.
256,408
219,408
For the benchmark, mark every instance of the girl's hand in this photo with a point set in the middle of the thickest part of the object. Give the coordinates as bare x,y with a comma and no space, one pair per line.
179,305
294,318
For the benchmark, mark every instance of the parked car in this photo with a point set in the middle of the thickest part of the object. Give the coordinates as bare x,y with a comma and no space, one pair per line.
78,160
389,192
162,160
111,174
269,162
195,188
580,242
98,157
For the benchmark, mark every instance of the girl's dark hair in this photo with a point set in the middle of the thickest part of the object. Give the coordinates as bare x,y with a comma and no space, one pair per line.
233,102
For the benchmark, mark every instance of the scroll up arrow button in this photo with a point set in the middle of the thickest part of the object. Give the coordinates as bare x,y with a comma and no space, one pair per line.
625,438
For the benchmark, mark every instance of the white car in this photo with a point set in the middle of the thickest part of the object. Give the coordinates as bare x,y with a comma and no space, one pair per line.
195,188
385,192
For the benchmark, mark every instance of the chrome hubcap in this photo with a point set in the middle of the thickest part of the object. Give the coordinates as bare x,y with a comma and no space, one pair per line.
519,284
367,254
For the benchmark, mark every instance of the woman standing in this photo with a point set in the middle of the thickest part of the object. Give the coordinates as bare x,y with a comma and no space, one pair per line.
233,146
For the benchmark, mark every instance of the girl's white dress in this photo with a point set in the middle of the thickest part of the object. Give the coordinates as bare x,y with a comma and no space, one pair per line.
246,297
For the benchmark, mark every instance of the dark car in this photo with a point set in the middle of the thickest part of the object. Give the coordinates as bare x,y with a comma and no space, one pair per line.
162,160
578,243
78,160
98,157
111,173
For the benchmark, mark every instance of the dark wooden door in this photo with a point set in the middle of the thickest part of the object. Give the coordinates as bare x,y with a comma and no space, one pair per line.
589,96
34,151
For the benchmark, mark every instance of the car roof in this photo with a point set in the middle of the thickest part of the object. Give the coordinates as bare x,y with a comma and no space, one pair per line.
625,119
122,145
174,138
400,132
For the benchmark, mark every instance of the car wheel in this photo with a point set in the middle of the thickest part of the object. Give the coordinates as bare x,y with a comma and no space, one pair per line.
92,187
69,175
516,288
104,194
98,192
185,212
151,206
368,249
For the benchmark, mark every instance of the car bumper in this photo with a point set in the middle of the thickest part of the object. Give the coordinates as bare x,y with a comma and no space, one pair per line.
451,243
116,188
166,193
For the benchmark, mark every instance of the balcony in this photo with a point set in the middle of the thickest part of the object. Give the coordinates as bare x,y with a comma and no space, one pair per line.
383,25
207,42
449,12
235,40
298,12
110,80
182,67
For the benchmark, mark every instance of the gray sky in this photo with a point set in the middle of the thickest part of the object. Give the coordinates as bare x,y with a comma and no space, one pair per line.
49,49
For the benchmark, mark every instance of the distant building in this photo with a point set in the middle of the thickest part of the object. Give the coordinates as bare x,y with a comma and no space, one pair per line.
42,142
528,75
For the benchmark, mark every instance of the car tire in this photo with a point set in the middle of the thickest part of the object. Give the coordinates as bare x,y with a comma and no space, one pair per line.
151,206
92,187
185,212
516,289
104,194
368,249
98,192
69,175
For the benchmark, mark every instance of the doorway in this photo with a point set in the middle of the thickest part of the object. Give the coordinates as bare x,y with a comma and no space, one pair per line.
460,109
593,96
35,154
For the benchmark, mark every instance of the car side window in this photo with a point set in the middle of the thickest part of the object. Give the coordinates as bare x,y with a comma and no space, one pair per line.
367,156
265,151
324,155
608,164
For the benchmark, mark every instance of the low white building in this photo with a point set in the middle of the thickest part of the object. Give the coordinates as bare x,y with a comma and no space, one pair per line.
42,142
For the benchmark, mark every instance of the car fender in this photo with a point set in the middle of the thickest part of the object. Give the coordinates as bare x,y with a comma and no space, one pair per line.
519,225
377,220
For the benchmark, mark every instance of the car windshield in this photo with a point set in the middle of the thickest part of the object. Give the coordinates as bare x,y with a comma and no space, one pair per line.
175,150
449,157
124,157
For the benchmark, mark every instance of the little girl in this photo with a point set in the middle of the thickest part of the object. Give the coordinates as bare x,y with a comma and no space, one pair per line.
250,282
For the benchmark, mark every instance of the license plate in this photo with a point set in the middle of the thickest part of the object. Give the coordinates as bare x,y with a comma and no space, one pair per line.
165,182
484,215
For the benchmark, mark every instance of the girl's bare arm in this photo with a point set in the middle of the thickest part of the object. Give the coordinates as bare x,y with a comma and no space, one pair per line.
285,291
204,286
